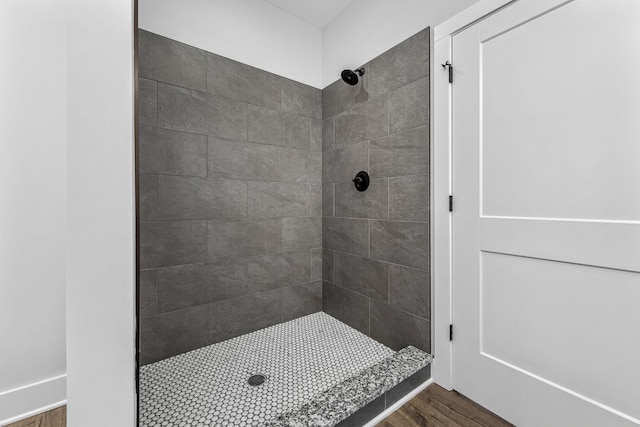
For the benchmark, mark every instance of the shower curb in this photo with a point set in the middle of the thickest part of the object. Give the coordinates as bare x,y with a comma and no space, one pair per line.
343,400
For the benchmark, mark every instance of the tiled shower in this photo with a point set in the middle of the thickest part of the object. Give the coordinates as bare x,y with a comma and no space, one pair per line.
250,225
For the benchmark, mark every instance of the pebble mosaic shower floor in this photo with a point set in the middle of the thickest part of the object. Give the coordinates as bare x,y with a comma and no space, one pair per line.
208,386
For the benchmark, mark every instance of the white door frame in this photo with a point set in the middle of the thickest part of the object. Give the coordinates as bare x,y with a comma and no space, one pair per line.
441,185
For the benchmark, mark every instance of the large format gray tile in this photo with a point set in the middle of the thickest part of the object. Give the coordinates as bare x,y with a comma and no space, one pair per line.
231,318
244,160
244,238
328,134
169,152
185,330
409,198
362,275
400,65
195,284
315,168
316,135
276,271
405,153
315,200
152,342
339,96
264,125
405,243
148,196
301,300
296,131
198,112
373,203
316,264
268,126
346,306
148,303
301,233
346,235
409,106
278,199
172,333
342,164
241,82
147,102
409,290
166,60
364,122
258,162
301,99
301,166
328,265
167,243
182,197
397,329
327,200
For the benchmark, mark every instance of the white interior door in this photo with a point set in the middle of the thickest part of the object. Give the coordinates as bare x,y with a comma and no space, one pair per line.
546,222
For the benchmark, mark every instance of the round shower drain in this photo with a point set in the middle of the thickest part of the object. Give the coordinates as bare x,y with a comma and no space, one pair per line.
255,380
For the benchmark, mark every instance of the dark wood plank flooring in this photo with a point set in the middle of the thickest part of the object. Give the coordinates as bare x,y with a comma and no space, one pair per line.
53,418
432,407
436,406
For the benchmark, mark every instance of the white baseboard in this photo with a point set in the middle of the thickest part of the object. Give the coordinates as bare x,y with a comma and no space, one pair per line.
31,399
391,409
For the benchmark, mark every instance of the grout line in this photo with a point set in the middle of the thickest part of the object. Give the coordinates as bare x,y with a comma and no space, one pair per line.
409,221
381,260
234,219
378,301
403,131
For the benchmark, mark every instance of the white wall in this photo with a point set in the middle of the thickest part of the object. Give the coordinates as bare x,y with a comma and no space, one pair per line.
100,241
250,31
32,206
368,28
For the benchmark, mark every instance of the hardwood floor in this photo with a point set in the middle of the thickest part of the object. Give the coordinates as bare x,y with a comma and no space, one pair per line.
53,418
433,407
436,406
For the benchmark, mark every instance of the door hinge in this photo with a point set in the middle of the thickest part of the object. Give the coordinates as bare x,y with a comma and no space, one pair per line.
450,203
450,67
450,332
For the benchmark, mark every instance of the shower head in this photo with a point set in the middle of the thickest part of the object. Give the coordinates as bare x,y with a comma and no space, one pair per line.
351,77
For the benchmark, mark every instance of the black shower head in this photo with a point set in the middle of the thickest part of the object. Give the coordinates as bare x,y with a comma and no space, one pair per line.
351,77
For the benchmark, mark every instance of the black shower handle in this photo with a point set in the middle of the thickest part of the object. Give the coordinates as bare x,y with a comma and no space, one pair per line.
361,181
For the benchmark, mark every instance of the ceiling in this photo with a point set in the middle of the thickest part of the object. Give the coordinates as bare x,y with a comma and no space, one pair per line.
318,13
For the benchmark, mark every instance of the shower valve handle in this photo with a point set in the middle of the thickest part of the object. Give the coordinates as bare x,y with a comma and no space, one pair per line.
361,181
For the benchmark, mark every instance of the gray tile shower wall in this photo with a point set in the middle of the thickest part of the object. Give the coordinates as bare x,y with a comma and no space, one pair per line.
230,163
375,245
